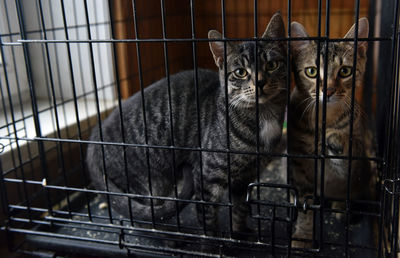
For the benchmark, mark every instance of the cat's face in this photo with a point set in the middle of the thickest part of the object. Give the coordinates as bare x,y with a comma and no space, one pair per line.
242,76
340,71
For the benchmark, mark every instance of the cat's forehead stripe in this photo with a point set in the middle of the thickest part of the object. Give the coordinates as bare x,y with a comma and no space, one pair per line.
240,61
246,51
245,59
334,54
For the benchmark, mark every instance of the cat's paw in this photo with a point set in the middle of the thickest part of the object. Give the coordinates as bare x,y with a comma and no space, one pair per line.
302,235
303,244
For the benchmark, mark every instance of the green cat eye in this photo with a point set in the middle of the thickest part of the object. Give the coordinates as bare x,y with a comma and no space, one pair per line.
240,73
345,71
272,65
311,71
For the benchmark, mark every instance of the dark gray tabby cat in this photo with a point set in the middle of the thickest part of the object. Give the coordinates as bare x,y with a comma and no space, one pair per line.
340,72
242,82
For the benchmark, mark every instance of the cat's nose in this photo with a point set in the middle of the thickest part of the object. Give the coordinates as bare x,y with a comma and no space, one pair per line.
261,83
330,91
260,80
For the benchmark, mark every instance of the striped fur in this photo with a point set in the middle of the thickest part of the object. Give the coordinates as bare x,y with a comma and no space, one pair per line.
201,175
338,119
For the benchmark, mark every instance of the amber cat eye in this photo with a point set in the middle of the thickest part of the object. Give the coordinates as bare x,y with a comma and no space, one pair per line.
272,65
345,71
311,71
240,73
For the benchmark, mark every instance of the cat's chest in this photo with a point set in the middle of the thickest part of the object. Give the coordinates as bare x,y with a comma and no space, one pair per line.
270,131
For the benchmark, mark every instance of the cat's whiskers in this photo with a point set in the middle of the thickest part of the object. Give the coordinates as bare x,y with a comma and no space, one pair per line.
309,105
239,101
234,102
304,100
357,108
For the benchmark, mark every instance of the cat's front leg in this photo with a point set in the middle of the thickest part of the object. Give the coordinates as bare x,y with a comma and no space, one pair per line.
240,212
211,191
303,230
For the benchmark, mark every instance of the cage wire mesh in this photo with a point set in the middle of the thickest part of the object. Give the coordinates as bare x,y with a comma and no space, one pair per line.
65,65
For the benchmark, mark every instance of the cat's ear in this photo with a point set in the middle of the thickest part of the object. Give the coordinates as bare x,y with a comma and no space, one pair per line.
363,31
217,47
298,31
275,28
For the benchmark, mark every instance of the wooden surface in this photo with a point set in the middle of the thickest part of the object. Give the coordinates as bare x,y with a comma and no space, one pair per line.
239,23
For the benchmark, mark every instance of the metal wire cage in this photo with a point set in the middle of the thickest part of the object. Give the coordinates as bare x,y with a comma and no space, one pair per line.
65,65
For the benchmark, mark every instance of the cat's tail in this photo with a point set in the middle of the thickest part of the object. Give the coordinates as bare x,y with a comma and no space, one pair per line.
161,210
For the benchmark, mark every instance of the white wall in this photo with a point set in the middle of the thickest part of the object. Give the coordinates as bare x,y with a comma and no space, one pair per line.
13,56
59,60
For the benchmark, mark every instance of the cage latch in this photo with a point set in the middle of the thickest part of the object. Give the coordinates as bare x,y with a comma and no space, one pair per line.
309,204
272,208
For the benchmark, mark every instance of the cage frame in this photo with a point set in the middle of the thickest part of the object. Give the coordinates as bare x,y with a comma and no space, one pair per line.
389,138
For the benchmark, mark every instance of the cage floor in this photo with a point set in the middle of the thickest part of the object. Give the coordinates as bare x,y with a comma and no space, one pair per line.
101,238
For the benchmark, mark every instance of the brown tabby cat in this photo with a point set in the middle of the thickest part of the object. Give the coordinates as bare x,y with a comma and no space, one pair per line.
303,101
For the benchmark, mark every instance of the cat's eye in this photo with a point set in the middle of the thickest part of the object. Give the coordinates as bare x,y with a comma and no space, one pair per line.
345,71
272,65
311,72
240,73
